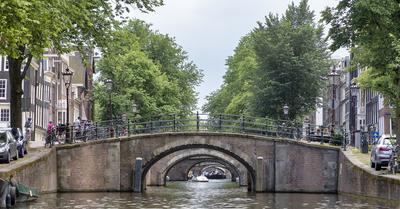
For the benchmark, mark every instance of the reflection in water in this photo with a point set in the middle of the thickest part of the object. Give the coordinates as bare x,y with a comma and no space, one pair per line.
215,194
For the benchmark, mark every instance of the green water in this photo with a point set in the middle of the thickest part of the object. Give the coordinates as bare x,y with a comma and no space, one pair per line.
196,195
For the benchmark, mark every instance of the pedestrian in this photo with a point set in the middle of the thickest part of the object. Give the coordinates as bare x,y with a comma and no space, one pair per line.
50,134
77,127
28,128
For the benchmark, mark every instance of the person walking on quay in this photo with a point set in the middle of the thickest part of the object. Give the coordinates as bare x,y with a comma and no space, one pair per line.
50,134
28,128
77,127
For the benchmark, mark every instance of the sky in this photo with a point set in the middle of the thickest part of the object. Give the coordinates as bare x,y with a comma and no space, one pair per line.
209,30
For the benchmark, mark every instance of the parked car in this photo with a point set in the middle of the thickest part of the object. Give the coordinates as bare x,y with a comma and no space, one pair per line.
381,151
8,146
22,143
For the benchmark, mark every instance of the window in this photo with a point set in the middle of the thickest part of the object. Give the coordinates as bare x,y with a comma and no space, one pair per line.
45,64
6,65
4,115
3,88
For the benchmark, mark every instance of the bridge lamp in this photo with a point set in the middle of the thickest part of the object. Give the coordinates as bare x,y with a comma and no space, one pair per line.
109,87
67,76
333,77
286,111
353,103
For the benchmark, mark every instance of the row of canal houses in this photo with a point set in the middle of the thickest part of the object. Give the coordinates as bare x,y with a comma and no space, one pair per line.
351,110
44,97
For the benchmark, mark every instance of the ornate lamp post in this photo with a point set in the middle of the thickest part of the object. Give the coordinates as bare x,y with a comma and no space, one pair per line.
286,111
333,79
67,76
109,87
353,108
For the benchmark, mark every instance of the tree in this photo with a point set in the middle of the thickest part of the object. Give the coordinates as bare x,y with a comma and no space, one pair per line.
148,68
293,56
28,27
234,95
280,62
372,32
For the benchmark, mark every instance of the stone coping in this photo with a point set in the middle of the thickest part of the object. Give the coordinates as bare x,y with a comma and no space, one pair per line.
366,168
22,163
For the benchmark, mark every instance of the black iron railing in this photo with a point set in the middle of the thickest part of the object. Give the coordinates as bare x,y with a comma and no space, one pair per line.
221,123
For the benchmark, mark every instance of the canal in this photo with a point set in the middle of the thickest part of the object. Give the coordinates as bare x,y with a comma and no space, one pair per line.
214,194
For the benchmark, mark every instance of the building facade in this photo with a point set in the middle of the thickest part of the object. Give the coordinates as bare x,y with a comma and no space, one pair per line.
44,97
353,111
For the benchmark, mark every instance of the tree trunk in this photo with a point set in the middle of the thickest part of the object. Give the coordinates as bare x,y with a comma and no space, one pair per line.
15,91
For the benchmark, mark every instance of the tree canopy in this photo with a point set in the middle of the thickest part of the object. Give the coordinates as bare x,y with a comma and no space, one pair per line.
28,27
371,30
148,69
280,62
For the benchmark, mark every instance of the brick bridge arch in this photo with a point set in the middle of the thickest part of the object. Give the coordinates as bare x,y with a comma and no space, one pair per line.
275,164
247,165
165,165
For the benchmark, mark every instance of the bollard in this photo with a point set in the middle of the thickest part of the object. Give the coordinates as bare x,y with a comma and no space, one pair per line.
260,174
137,181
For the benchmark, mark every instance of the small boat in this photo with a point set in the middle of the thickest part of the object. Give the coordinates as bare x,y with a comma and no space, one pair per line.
25,193
200,179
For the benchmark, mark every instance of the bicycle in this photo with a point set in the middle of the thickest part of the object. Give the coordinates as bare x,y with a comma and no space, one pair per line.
394,162
50,139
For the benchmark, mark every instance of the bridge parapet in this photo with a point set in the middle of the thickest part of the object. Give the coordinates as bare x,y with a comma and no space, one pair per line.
220,123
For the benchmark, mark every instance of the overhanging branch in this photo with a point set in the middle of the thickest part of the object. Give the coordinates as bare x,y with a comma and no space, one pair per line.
26,67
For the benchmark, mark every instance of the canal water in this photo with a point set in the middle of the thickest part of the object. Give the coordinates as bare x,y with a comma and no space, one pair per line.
196,195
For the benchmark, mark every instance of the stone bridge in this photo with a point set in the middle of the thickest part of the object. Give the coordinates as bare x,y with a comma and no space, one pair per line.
264,164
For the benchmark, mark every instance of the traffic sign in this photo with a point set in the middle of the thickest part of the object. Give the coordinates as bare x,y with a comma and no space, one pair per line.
375,134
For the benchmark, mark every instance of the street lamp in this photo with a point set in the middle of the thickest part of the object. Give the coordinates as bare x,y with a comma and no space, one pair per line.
353,101
333,79
286,111
67,76
109,87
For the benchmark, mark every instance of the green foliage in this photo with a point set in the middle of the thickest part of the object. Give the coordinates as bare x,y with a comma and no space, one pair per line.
148,69
372,30
235,94
63,25
280,62
28,27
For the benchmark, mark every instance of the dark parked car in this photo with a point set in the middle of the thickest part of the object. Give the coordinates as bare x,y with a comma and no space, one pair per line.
8,146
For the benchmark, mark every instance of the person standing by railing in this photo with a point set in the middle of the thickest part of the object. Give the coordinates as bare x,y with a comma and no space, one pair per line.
28,128
51,134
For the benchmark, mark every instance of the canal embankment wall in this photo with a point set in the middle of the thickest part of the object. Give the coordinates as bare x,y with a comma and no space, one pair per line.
357,178
37,170
97,166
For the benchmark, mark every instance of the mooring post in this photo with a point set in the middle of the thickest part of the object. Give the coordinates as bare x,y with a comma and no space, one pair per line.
260,175
137,181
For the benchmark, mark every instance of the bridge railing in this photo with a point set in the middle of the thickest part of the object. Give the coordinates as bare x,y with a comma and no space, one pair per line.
222,123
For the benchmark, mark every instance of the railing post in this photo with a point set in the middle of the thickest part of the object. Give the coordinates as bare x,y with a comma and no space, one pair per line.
151,125
116,131
220,122
242,124
322,136
174,122
96,130
198,121
129,128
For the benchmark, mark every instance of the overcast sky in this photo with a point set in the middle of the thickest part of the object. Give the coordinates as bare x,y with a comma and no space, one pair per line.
209,30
